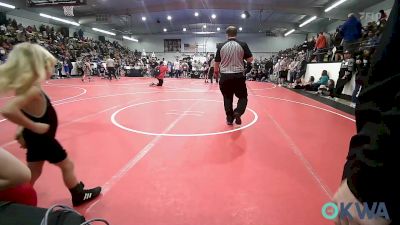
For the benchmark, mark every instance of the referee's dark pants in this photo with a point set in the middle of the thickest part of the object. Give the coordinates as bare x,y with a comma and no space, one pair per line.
233,84
211,74
111,72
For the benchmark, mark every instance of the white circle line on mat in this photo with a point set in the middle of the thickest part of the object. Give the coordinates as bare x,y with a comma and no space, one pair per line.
114,121
84,91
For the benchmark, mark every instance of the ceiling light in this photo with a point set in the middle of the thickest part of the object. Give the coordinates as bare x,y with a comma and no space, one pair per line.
169,18
184,29
213,16
290,32
308,21
165,29
131,39
7,5
196,14
103,31
143,18
245,15
204,26
218,29
336,4
240,28
204,32
59,19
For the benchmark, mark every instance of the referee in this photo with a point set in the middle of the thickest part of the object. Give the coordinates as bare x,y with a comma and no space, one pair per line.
229,62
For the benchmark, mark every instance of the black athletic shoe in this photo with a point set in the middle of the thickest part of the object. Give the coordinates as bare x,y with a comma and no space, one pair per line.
229,120
80,195
238,120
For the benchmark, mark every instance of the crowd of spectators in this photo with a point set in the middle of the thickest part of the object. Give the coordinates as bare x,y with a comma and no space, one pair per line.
80,49
67,49
352,44
350,36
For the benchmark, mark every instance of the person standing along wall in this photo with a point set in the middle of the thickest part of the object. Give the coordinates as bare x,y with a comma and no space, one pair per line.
345,73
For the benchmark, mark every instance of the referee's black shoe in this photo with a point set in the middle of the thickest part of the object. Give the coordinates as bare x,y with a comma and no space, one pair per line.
238,120
229,120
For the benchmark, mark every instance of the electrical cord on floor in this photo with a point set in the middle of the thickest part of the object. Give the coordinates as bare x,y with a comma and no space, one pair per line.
51,209
89,222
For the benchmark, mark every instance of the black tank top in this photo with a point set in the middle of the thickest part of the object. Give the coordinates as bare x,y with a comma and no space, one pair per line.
49,117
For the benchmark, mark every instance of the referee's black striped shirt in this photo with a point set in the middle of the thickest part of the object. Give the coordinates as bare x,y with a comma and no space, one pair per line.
231,55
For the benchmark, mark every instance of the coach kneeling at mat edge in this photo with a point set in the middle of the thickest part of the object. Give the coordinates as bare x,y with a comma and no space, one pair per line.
230,64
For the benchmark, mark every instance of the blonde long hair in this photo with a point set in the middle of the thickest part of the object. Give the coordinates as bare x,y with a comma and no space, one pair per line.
27,63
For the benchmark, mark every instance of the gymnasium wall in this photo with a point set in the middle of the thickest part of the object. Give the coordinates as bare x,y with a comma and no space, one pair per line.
370,14
259,44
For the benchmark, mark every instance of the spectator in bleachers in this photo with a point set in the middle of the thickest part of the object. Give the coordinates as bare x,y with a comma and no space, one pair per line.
313,59
370,41
264,76
292,70
283,70
66,68
323,80
328,38
269,66
251,75
382,15
327,90
304,46
345,73
320,47
70,66
176,68
301,66
14,24
351,32
210,73
59,67
337,44
80,34
362,68
299,85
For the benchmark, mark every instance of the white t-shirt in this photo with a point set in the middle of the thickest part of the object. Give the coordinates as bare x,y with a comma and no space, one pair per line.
176,65
110,63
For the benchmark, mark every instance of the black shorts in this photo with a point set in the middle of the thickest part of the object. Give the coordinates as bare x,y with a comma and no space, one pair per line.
44,148
211,72
283,74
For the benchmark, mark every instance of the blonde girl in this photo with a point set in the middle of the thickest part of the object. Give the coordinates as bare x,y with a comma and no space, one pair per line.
31,109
